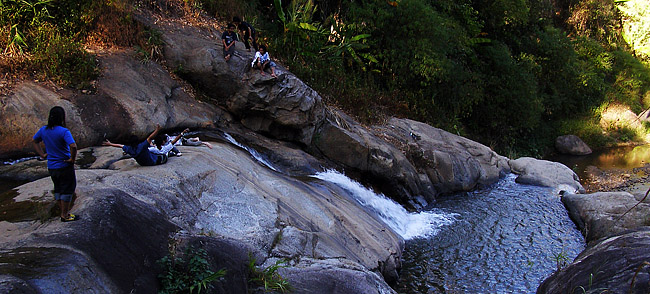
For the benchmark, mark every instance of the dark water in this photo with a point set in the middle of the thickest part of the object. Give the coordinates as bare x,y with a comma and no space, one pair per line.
505,239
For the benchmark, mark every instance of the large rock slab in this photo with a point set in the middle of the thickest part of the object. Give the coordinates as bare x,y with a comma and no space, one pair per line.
616,265
546,173
605,214
221,193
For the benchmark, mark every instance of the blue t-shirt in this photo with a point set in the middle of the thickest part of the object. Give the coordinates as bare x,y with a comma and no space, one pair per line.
57,142
141,153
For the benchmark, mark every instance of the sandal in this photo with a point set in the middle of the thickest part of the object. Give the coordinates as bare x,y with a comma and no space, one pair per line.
70,218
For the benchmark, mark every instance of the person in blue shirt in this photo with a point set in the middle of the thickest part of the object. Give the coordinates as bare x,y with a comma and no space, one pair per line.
140,150
60,152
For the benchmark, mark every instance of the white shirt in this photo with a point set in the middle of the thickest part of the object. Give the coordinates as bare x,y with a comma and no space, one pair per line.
262,58
165,149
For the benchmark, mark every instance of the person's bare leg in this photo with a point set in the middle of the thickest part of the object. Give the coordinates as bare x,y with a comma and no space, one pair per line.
65,208
261,67
207,144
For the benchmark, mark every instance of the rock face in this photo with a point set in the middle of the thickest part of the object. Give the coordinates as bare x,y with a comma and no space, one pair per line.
129,215
284,107
571,144
131,98
617,229
545,173
616,265
601,214
409,158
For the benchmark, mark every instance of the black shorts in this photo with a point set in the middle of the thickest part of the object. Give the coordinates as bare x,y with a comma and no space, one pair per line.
64,179
161,159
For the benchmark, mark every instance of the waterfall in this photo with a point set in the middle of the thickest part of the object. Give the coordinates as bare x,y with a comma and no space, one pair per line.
408,225
252,151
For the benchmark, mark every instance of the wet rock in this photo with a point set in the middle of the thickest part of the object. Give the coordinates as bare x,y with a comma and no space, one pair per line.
571,144
618,264
222,193
346,142
545,173
605,214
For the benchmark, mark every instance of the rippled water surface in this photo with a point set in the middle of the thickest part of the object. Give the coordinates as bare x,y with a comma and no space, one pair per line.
505,239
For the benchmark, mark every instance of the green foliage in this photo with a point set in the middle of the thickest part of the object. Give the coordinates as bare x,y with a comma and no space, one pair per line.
151,45
561,259
636,27
183,275
269,278
299,32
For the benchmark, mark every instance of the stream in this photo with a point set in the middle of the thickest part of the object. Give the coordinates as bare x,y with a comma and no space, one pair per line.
506,238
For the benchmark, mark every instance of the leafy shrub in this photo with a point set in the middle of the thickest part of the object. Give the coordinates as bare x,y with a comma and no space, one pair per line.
269,278
183,275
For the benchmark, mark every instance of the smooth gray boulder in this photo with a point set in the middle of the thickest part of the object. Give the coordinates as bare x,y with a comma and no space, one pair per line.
334,276
131,97
452,163
409,159
546,173
221,193
572,145
618,264
346,142
603,214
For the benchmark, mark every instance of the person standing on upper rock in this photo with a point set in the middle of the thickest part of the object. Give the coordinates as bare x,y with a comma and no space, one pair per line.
60,152
247,31
229,38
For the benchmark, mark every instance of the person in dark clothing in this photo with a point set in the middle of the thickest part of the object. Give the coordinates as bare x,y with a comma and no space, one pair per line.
247,31
229,38
140,150
60,152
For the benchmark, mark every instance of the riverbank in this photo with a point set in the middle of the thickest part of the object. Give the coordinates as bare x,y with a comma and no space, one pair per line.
634,181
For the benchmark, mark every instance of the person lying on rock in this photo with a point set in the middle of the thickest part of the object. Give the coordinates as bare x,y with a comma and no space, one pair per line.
61,151
140,150
263,61
229,38
194,141
163,146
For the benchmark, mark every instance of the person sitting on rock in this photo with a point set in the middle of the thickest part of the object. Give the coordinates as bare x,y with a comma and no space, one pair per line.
263,61
163,146
140,150
229,38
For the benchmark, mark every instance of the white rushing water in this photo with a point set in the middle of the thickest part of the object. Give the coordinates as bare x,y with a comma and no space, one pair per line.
409,225
406,224
252,151
12,162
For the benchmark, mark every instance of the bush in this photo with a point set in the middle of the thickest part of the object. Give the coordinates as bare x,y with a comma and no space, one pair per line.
183,275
